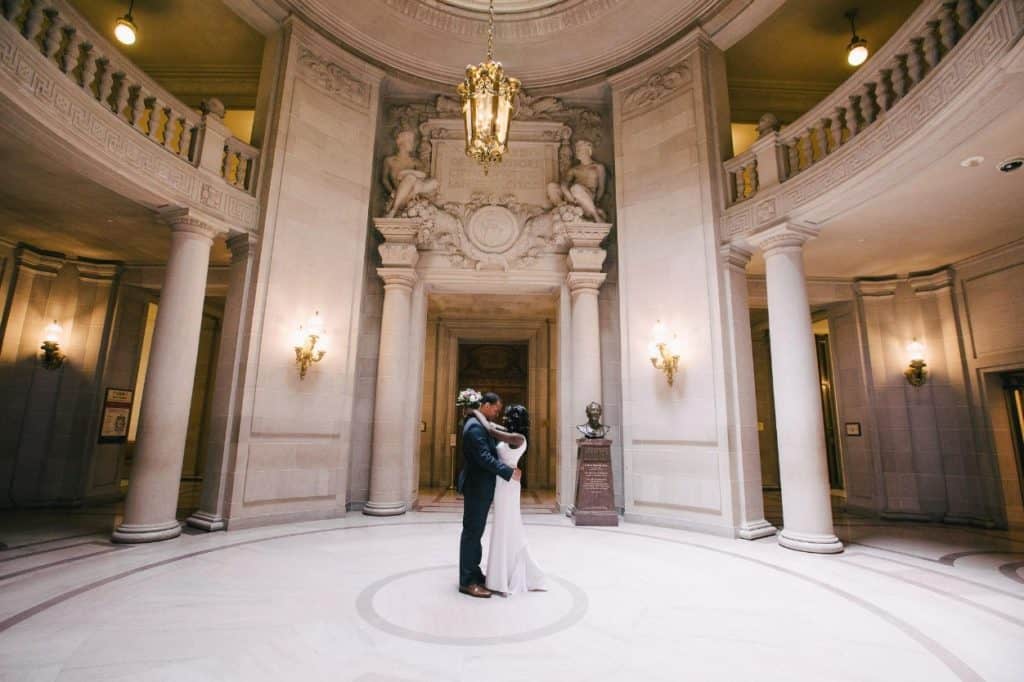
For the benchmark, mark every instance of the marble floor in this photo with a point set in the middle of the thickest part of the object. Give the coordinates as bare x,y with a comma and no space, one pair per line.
375,600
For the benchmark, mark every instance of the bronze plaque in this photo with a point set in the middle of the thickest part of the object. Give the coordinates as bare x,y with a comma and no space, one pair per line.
595,494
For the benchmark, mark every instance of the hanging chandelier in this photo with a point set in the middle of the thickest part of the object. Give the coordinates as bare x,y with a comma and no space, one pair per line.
487,105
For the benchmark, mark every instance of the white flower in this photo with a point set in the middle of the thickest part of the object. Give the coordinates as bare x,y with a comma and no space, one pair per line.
468,398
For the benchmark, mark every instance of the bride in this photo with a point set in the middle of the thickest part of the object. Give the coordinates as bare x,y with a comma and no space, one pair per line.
510,568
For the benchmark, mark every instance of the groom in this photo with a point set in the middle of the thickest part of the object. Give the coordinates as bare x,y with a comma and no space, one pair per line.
476,483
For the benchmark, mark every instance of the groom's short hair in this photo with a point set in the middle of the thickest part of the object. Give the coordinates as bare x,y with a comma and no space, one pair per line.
490,398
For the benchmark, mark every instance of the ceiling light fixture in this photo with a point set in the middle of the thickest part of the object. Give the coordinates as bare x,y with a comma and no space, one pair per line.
857,50
488,98
1011,164
972,161
125,29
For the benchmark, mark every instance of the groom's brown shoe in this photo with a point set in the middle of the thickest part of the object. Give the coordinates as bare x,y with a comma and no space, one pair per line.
475,590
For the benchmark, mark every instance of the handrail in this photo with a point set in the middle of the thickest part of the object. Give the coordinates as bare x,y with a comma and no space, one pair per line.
906,59
88,60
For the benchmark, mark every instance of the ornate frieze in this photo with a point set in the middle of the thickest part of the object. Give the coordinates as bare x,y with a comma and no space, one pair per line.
656,88
334,79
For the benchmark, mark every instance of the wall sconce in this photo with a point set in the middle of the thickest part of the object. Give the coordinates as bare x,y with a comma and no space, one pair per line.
52,358
664,352
310,344
916,373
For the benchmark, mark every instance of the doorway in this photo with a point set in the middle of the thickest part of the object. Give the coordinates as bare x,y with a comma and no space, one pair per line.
508,346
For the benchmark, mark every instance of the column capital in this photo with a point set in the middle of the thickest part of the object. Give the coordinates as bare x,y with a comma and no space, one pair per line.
400,278
398,255
586,234
585,282
191,221
931,282
399,230
92,271
781,237
586,258
241,244
735,256
876,288
38,262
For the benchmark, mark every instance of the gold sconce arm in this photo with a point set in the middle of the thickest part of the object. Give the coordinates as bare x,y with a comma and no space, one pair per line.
52,358
666,362
916,373
307,354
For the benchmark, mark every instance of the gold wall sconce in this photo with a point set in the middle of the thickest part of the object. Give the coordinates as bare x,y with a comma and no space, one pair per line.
916,373
664,352
310,344
53,357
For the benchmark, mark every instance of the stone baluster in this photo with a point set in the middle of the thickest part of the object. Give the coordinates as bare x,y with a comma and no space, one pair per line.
105,84
967,15
932,45
853,115
792,158
900,80
11,9
869,104
836,128
244,168
388,461
72,47
121,99
948,29
138,107
886,95
916,65
153,104
51,42
168,140
149,512
33,20
821,136
806,498
737,179
806,153
185,141
88,61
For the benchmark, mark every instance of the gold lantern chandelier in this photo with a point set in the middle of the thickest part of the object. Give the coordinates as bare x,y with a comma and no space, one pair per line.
487,105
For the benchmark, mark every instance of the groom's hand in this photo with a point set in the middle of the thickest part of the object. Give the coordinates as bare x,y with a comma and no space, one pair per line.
517,474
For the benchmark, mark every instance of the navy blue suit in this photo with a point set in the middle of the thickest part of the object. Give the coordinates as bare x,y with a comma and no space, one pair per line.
480,464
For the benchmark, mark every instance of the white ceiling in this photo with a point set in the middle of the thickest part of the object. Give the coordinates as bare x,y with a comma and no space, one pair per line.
942,214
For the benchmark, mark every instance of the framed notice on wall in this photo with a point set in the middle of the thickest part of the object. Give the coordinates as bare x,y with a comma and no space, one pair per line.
117,414
853,429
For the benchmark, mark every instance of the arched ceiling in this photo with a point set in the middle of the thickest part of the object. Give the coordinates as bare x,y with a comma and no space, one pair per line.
545,43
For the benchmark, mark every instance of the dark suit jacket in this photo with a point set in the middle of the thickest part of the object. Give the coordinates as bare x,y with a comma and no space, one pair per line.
480,463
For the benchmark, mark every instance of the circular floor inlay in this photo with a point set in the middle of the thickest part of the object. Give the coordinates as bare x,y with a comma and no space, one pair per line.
425,605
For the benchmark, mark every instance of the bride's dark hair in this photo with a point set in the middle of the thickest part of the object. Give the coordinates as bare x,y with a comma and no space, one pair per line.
517,420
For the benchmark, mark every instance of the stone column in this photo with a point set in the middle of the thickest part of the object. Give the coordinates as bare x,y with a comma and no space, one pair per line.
584,280
806,500
390,418
163,423
227,388
748,499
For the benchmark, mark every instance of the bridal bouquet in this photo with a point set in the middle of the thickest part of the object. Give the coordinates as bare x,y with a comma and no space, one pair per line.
468,398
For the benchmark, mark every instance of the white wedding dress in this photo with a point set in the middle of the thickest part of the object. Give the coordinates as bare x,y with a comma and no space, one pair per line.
510,568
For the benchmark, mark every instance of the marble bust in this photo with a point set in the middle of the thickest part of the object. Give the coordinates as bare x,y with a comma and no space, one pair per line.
583,184
404,176
594,428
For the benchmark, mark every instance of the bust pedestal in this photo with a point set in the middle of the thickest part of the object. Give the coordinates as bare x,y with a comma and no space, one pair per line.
595,496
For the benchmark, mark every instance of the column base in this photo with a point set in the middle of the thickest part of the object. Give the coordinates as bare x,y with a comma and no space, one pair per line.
755,530
384,508
206,521
810,542
132,533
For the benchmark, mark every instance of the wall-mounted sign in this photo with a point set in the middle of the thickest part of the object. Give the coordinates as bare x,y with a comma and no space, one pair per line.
117,414
853,429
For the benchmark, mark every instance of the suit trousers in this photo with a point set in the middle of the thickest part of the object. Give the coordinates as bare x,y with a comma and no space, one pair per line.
476,504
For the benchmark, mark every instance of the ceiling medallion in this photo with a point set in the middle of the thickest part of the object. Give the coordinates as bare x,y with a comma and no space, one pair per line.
487,105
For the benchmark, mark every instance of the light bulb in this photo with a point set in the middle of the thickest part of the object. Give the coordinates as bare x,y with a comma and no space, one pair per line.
125,30
53,332
857,52
674,347
660,333
916,350
652,351
315,325
299,337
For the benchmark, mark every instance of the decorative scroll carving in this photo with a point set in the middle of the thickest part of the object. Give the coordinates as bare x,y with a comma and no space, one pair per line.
656,88
334,79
